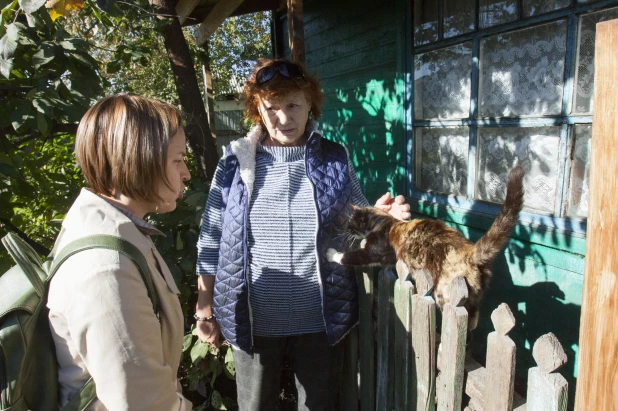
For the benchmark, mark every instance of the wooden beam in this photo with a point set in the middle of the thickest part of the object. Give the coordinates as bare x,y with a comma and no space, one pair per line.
296,30
219,12
598,342
184,9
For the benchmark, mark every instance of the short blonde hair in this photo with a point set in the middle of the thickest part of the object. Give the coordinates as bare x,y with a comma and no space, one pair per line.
121,145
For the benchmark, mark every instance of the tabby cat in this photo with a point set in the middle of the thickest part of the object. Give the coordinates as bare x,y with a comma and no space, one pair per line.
434,246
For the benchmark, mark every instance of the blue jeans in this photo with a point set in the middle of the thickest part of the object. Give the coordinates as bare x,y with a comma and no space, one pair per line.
316,366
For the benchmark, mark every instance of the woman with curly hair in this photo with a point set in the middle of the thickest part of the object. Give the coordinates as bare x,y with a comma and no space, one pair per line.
279,199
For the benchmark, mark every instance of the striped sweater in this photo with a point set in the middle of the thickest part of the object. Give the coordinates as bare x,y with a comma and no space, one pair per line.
283,285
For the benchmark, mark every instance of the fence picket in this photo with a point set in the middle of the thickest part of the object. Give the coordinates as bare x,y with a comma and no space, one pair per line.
403,310
449,384
422,385
384,383
349,374
547,391
366,339
500,376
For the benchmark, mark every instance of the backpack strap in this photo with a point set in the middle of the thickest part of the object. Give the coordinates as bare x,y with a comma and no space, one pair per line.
27,259
110,242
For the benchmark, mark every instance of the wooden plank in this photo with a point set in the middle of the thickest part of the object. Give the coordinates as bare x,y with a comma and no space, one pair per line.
423,381
219,12
366,341
296,29
547,391
449,385
403,310
598,352
384,399
349,374
184,9
500,377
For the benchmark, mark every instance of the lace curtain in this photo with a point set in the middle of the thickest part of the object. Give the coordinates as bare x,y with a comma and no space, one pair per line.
458,17
442,83
534,7
443,165
522,72
580,172
535,148
492,12
583,96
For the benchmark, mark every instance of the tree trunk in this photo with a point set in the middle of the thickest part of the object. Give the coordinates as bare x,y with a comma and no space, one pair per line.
197,128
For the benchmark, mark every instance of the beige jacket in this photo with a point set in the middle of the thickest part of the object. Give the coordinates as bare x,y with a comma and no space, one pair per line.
103,322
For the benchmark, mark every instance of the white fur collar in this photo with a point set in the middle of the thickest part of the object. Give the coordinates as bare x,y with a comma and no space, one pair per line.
244,150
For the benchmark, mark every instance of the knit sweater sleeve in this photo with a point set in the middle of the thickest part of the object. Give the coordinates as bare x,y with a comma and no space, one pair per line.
358,198
210,233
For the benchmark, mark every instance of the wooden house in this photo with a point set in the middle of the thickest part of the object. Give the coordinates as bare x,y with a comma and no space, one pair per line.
437,100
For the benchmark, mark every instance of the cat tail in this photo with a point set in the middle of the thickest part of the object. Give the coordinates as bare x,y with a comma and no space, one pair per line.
486,249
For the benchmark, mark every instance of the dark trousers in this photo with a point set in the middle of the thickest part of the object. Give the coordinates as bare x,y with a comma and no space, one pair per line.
316,366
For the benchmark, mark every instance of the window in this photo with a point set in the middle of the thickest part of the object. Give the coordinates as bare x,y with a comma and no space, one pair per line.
500,82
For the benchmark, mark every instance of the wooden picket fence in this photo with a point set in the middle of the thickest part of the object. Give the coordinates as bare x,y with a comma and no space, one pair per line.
393,362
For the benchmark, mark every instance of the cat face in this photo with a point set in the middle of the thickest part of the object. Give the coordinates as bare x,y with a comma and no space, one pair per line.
363,220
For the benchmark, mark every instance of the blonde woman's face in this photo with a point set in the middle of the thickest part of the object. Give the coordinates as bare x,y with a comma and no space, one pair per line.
177,173
285,118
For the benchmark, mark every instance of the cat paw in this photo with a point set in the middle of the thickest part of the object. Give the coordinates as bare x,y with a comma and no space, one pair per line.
333,256
363,243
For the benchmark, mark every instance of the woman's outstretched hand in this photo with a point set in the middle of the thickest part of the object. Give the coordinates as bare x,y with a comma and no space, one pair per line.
397,207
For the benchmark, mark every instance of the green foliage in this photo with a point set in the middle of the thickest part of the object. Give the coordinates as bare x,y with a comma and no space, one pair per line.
233,49
56,63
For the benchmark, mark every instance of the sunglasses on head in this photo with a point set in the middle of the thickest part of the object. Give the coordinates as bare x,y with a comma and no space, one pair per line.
289,70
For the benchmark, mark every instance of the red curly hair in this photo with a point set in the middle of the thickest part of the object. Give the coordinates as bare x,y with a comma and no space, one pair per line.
279,86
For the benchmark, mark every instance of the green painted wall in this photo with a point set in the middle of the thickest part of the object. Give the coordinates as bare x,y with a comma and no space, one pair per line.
355,48
351,46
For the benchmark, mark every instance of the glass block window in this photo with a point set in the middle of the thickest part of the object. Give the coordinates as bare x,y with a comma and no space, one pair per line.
442,82
535,7
584,72
580,169
522,71
444,165
535,148
499,83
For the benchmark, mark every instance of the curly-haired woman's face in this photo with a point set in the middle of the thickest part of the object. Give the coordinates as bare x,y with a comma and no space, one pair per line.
285,118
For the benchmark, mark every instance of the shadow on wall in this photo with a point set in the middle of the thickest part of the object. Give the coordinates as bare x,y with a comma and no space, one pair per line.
368,121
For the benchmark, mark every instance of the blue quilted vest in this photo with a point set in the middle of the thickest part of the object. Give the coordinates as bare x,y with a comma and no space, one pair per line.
327,169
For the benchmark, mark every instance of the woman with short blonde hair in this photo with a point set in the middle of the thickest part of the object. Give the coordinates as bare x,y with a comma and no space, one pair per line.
131,151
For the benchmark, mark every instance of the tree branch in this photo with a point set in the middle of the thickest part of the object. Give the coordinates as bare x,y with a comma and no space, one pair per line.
56,130
39,248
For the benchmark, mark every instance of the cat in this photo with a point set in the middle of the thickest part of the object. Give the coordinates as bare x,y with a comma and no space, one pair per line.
434,246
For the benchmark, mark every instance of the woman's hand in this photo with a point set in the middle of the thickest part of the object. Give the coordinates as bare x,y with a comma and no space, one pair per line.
397,207
209,332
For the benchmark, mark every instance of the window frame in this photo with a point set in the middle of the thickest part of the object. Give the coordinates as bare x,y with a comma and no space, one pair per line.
565,120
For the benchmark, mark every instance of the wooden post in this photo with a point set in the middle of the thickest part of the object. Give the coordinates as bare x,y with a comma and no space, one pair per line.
449,386
349,375
500,377
220,11
423,382
384,398
210,95
547,391
296,30
366,340
598,342
403,311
